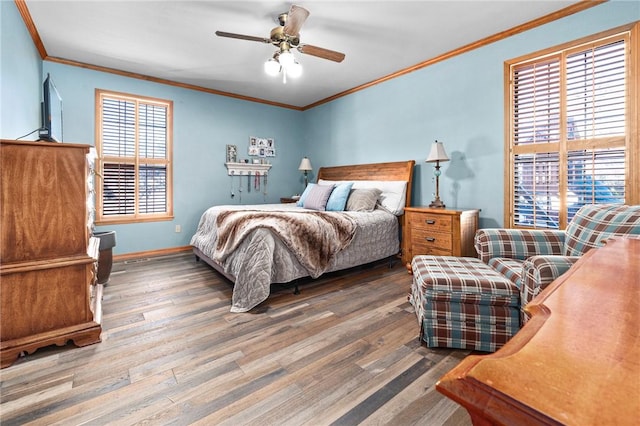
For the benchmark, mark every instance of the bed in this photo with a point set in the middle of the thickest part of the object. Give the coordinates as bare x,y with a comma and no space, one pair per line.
255,246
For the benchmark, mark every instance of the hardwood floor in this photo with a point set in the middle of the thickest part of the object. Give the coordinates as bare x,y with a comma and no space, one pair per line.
343,352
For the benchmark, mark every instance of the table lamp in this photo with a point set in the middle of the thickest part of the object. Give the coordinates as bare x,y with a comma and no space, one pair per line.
436,155
305,166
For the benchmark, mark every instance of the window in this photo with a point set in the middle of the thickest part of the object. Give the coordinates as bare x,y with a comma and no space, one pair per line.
570,115
134,158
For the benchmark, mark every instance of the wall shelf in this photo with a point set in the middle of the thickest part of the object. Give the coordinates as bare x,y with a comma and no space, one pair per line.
246,169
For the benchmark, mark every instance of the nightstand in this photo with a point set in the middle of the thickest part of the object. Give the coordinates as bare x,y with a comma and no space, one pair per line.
288,200
440,232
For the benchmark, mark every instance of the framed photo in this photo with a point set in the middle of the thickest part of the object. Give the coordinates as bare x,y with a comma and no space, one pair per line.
262,147
232,154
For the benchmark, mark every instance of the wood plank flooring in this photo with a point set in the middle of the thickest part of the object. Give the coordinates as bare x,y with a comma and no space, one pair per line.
343,352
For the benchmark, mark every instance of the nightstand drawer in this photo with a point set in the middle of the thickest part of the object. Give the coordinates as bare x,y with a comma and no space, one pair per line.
430,222
421,239
432,251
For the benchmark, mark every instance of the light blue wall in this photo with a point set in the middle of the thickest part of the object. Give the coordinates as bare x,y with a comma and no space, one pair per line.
203,125
459,102
20,77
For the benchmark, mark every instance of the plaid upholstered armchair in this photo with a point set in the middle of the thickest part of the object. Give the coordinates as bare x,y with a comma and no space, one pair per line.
532,259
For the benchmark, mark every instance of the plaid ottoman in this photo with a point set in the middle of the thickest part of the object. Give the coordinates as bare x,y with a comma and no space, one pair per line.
463,303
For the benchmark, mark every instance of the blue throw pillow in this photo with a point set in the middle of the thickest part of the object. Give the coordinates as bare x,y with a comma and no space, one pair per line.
304,195
338,198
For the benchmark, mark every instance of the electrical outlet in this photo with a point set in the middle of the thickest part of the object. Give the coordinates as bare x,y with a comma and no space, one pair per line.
178,228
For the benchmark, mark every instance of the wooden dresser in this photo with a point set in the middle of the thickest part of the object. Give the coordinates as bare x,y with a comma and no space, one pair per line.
47,260
575,362
440,232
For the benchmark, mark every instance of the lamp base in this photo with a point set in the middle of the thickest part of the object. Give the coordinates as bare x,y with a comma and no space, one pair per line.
437,204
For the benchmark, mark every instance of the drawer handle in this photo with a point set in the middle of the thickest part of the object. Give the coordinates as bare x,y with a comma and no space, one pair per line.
430,239
430,222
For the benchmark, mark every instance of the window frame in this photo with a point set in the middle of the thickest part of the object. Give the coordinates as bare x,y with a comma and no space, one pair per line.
136,161
630,33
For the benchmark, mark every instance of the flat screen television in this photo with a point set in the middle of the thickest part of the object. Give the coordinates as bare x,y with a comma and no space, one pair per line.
51,129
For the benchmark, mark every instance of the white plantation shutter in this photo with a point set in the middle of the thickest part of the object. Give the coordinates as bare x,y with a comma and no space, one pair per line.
568,141
595,85
595,177
119,189
536,100
153,144
536,189
118,128
153,131
153,189
134,153
537,103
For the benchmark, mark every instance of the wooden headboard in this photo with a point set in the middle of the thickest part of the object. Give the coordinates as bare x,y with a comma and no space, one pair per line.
399,170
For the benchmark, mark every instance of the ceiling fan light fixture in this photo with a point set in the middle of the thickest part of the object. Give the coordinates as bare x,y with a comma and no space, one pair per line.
286,58
294,70
272,67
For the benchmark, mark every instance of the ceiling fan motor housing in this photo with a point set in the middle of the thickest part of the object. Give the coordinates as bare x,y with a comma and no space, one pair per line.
278,35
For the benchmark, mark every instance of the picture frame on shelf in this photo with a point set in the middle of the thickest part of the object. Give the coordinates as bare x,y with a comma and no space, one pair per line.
232,154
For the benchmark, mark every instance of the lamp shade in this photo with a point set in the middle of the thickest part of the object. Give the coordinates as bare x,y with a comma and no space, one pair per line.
437,153
286,58
272,67
305,165
294,70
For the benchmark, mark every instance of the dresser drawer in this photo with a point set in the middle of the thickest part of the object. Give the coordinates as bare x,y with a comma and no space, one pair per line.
422,239
431,222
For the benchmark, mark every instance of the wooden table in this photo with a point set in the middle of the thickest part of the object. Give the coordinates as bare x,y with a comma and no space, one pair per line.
576,362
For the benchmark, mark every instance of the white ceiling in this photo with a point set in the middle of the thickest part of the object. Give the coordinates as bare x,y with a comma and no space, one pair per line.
175,40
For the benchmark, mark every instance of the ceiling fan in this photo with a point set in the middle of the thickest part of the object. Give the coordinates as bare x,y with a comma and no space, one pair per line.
285,37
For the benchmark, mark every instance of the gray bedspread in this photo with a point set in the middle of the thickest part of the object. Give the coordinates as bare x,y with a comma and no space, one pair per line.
261,257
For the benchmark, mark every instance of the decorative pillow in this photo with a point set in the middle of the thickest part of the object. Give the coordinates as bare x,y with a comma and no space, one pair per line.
338,198
318,197
363,200
306,191
392,198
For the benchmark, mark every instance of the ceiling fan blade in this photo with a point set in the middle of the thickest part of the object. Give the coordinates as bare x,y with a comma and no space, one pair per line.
320,52
296,17
242,37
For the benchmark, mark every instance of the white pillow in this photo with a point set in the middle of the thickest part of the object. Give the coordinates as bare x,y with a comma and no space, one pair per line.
394,192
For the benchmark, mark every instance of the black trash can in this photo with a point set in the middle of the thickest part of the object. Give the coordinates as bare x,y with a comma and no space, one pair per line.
105,257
